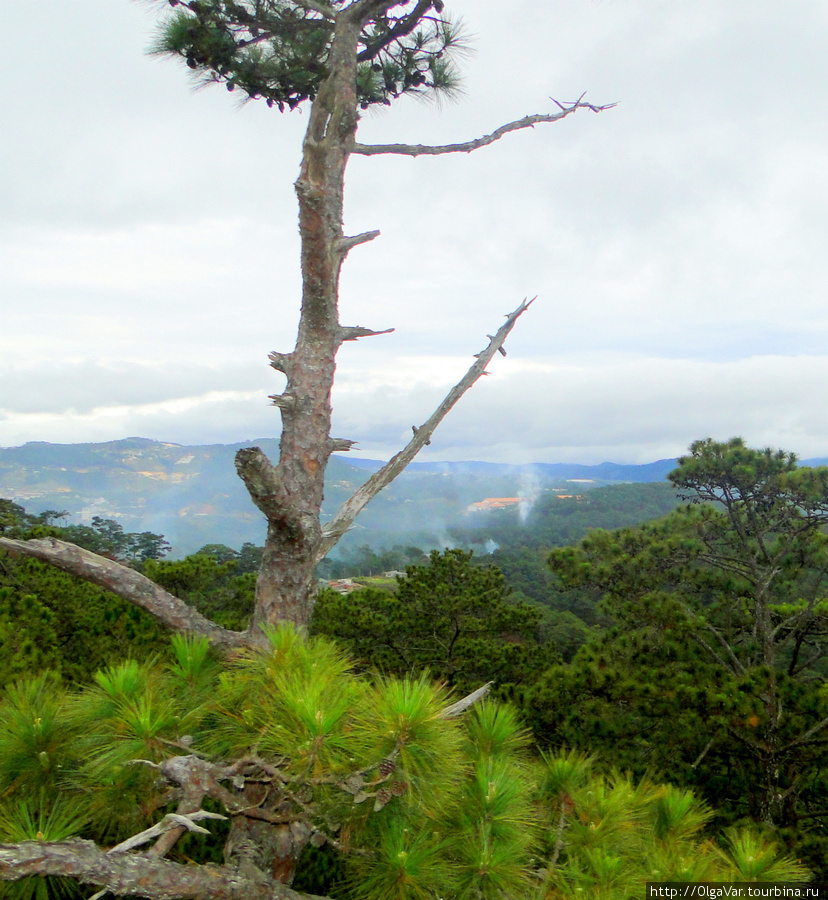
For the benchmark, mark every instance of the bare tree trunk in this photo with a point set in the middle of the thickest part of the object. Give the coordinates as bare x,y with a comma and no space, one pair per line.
290,494
293,497
269,829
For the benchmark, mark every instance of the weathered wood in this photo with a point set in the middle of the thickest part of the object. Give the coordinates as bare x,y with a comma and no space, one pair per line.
483,141
124,581
352,507
136,874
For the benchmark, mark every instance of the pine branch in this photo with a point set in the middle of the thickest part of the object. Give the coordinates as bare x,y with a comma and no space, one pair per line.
353,332
735,665
127,584
171,822
464,703
469,146
349,510
806,738
136,874
189,810
403,27
345,244
704,753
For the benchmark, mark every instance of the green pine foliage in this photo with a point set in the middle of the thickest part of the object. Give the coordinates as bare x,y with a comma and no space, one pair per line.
570,612
278,50
247,560
712,672
38,751
216,587
403,801
364,560
28,635
52,620
609,836
107,537
555,521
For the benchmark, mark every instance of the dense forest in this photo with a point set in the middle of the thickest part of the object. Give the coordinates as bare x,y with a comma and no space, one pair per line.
672,632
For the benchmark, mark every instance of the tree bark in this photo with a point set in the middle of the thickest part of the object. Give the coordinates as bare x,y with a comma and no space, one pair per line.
167,609
136,874
291,493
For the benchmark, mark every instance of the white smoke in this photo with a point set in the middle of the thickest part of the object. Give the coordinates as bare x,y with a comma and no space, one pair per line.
529,489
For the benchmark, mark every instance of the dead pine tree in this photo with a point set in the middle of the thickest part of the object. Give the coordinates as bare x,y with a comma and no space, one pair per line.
338,57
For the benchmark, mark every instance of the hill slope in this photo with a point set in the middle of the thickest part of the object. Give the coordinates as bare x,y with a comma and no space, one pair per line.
192,495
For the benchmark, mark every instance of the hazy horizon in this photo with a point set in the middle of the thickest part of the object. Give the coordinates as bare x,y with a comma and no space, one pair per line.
149,256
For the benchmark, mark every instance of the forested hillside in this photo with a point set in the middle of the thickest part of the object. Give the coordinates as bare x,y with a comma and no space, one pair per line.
688,646
192,495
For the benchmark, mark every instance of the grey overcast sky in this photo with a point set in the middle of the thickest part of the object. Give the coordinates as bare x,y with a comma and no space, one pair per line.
678,244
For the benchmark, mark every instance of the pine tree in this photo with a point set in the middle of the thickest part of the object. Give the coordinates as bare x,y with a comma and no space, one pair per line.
451,617
338,57
713,671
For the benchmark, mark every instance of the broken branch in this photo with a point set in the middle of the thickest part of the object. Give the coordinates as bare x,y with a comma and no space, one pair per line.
352,332
349,510
169,822
345,244
282,362
126,583
458,708
119,873
469,146
340,445
262,481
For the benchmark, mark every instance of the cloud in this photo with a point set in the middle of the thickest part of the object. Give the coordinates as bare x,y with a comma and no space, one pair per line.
211,417
90,385
632,410
623,409
149,248
153,293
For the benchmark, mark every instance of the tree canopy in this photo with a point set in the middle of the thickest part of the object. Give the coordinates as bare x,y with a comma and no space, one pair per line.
714,669
410,795
281,51
448,617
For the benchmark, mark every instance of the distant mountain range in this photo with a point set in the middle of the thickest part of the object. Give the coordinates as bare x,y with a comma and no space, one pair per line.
193,496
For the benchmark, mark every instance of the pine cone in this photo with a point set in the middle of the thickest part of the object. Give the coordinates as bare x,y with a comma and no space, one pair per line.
381,799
